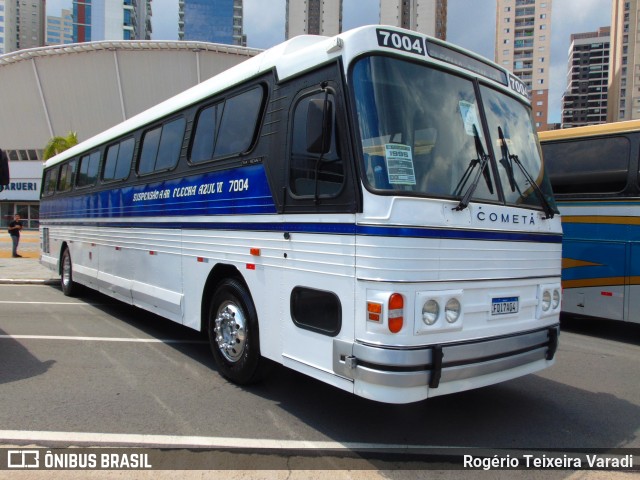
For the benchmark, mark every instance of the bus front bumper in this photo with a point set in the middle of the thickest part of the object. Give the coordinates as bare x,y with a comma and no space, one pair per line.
434,365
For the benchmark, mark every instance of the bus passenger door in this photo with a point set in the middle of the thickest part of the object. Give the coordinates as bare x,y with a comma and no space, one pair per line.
319,227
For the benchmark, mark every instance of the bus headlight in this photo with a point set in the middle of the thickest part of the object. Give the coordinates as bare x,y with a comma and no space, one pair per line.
438,311
452,310
430,312
555,301
549,300
546,300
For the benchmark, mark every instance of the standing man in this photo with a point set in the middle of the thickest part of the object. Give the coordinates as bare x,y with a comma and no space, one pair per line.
14,230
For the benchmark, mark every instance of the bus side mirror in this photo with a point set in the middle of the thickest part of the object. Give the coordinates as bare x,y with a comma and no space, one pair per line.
319,126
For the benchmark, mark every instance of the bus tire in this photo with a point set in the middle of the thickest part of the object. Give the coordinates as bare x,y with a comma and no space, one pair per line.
69,287
232,327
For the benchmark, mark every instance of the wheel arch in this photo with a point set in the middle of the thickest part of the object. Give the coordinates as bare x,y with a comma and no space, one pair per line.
219,272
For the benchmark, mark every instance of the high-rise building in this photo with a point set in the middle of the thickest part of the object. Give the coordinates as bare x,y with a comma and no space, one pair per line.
60,29
424,16
216,21
585,100
523,45
313,17
624,82
95,20
7,26
31,23
324,17
82,20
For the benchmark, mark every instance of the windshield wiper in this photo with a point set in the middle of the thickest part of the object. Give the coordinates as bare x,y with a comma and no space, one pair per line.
482,160
507,161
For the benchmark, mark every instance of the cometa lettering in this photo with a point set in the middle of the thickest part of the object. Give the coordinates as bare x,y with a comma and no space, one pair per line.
513,219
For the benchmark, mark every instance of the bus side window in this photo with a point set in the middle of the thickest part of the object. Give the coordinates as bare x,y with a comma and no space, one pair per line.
228,127
205,136
312,172
588,166
65,181
161,147
88,170
239,122
118,160
50,181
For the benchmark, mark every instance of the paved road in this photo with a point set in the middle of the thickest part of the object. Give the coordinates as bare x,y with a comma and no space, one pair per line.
94,371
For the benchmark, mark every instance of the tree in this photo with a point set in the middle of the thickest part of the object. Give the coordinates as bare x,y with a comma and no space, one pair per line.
59,144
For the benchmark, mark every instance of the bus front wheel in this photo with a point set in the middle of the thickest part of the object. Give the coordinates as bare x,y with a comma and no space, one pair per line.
233,333
69,287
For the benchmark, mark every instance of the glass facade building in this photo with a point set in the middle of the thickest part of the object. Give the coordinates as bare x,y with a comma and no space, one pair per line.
96,20
216,21
82,21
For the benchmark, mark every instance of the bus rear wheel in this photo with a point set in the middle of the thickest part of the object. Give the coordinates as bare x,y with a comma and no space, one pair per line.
69,287
233,333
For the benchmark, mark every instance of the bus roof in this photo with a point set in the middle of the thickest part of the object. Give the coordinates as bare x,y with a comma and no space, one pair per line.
289,59
590,131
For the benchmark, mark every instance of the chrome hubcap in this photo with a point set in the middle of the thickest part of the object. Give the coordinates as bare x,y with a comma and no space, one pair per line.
66,270
230,331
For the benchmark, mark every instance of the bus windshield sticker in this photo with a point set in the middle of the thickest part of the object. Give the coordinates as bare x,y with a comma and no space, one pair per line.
470,118
399,164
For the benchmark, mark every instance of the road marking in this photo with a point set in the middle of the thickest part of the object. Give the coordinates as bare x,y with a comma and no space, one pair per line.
13,302
98,339
195,441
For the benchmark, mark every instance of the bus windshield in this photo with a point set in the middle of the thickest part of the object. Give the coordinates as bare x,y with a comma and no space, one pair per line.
422,135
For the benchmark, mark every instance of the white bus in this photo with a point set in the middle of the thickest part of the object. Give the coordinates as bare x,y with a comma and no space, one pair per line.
369,209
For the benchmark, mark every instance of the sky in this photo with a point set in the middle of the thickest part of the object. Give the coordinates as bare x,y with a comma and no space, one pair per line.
470,24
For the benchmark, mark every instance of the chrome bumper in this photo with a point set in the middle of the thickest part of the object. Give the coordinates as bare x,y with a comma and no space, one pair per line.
430,365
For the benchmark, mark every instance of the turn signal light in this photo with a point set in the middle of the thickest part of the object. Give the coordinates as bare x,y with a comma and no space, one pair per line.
374,312
396,312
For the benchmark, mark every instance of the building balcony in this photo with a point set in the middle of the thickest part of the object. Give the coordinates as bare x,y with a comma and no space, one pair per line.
524,23
525,12
523,44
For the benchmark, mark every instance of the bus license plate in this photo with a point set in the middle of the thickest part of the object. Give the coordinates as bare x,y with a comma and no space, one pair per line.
504,305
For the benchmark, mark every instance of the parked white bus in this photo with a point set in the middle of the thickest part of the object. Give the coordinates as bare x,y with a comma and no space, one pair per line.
369,209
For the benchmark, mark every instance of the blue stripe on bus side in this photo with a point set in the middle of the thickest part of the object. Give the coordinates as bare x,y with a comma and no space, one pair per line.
240,191
601,231
599,251
231,192
590,260
335,229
